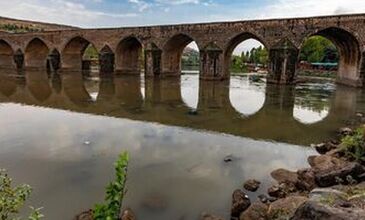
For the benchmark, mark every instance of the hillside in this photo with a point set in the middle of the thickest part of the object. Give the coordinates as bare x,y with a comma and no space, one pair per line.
19,26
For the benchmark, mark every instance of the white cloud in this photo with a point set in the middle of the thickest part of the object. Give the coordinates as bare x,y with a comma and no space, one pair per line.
141,5
294,8
178,2
56,11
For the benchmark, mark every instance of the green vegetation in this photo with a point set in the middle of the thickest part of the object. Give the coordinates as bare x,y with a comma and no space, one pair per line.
318,49
256,57
115,192
13,28
91,53
12,199
353,146
190,58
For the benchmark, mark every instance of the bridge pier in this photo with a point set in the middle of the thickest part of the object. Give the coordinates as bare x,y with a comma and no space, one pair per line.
19,59
152,61
54,61
283,59
211,63
106,61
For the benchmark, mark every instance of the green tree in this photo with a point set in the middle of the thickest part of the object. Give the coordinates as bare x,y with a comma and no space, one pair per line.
318,49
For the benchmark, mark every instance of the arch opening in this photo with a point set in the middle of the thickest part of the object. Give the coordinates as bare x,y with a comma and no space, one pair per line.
6,55
129,56
172,53
36,54
246,61
246,54
90,61
332,52
80,54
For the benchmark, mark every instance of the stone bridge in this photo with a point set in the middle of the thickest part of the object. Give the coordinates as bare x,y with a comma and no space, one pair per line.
123,50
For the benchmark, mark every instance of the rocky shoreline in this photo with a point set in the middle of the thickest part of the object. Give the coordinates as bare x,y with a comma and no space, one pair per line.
333,187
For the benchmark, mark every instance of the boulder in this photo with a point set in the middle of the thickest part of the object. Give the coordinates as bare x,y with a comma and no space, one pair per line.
281,190
252,185
323,148
285,208
128,214
319,210
206,216
325,162
306,179
257,211
285,176
240,202
321,194
325,178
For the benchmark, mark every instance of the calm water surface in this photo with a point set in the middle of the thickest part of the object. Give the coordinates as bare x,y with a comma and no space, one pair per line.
61,135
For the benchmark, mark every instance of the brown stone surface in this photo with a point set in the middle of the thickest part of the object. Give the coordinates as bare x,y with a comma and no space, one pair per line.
240,202
251,185
286,206
285,176
257,211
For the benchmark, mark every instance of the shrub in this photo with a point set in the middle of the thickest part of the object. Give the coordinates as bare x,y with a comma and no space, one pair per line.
12,199
115,192
353,146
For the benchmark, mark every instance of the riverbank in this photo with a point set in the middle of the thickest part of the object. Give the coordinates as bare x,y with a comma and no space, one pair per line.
333,187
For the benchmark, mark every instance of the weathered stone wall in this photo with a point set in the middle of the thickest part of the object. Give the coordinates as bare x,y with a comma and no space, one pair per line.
216,41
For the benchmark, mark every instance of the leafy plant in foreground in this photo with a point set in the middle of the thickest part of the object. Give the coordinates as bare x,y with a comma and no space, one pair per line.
13,199
353,146
114,192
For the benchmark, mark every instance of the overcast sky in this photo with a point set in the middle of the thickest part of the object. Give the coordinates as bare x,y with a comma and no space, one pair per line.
117,13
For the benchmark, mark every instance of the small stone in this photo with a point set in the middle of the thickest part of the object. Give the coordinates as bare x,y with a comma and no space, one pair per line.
276,191
252,185
263,198
87,143
345,131
193,112
128,214
87,215
228,159
206,216
359,114
240,202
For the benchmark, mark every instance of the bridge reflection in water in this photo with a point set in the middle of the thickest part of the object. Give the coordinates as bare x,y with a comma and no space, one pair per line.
219,106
